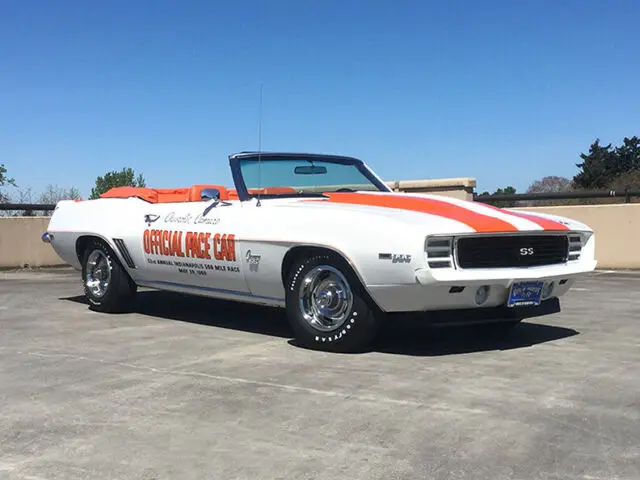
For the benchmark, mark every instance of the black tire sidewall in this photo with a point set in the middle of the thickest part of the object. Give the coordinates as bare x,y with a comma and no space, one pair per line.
120,288
358,330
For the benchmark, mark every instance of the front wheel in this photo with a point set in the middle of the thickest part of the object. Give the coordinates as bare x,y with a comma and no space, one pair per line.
327,306
107,285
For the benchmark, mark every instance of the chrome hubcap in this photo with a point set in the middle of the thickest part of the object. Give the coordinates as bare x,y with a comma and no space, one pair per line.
98,273
325,298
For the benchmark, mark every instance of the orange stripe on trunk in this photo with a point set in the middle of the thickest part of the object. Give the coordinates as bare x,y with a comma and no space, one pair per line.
545,223
477,221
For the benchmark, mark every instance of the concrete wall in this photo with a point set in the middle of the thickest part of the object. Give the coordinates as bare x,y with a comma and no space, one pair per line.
461,188
20,243
617,230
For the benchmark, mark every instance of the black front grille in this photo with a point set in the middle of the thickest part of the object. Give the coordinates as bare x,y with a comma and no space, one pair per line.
511,251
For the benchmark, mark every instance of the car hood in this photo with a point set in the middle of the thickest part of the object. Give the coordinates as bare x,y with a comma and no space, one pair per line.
459,215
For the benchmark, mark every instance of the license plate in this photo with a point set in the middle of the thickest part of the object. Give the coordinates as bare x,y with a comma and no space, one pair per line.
525,294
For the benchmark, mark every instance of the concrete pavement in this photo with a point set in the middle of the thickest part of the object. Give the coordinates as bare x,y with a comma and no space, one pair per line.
191,388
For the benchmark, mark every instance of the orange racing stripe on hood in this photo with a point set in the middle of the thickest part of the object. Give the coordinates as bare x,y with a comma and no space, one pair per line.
545,223
477,221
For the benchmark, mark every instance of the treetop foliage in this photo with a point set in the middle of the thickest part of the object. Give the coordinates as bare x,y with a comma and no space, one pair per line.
123,178
604,164
4,180
603,167
549,184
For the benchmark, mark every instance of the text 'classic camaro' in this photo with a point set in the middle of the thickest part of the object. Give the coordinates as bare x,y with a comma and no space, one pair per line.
325,238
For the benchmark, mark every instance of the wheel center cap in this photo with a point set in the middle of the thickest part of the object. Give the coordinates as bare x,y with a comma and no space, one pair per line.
325,298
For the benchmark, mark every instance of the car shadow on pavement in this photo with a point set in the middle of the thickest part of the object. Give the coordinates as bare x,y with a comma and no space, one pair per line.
210,312
408,337
399,336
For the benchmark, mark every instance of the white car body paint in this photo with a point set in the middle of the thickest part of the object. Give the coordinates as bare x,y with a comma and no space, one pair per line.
264,232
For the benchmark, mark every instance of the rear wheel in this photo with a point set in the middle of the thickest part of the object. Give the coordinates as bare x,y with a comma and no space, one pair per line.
327,306
106,284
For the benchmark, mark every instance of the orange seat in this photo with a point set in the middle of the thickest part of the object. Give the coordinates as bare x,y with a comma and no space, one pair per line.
192,194
148,194
164,195
196,190
172,195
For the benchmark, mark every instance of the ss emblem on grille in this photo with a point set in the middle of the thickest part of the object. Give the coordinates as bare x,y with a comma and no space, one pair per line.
526,251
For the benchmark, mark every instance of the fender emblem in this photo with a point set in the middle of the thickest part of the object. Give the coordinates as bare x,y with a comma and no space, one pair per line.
400,258
253,261
395,257
149,218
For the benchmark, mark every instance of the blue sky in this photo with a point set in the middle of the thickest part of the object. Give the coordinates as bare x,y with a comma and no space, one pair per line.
503,91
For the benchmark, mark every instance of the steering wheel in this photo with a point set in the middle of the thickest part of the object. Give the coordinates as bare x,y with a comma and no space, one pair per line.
345,189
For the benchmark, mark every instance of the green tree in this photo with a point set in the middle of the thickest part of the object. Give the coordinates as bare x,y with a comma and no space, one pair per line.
628,156
502,203
124,178
505,203
505,191
602,166
4,180
629,180
596,167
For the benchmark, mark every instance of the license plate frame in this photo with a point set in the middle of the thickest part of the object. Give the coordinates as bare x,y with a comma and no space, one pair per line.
526,293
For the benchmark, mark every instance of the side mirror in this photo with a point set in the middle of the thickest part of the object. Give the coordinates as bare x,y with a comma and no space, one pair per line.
209,193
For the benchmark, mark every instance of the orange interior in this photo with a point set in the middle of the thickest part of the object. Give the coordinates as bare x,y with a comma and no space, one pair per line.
233,194
190,194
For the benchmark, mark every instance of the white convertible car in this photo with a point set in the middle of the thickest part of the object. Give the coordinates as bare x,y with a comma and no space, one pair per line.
323,237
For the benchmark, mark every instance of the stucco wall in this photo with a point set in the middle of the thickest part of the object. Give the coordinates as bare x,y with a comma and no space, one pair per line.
461,188
617,229
21,244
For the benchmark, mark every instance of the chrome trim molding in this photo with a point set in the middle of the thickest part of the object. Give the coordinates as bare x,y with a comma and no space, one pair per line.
159,284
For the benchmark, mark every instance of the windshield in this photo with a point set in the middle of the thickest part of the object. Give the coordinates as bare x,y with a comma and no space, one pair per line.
299,175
